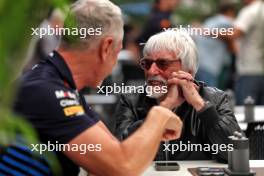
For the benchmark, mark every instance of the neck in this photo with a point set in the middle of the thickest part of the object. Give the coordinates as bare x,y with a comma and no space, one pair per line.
83,73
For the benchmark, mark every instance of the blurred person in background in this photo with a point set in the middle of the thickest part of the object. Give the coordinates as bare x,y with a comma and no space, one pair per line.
215,54
249,27
170,59
158,19
40,48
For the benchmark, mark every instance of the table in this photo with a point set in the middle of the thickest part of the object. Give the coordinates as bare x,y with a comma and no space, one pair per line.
184,165
240,116
100,99
258,111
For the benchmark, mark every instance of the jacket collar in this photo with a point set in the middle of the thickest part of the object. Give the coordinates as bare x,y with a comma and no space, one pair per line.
144,103
58,61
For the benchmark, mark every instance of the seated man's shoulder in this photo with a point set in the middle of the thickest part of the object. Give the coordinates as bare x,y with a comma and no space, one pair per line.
213,90
213,94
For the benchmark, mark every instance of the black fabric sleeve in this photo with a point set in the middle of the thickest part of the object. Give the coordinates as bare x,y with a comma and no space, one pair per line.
126,119
54,111
219,122
207,114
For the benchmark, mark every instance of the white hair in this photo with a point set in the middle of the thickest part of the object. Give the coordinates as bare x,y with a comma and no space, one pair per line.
177,42
98,14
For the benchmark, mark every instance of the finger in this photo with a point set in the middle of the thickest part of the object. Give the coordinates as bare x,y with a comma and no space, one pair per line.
172,136
181,82
184,83
165,137
173,91
170,132
173,81
182,75
196,86
169,136
186,73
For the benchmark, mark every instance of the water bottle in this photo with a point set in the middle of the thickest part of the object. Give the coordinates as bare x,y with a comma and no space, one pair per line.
238,159
249,109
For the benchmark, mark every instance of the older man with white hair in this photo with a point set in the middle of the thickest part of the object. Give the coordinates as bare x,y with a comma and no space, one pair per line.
170,59
63,119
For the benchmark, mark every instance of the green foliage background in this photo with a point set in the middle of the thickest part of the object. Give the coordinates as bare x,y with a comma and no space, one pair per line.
16,20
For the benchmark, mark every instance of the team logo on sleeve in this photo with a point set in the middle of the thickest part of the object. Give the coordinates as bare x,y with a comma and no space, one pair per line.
69,102
66,102
73,110
60,94
67,98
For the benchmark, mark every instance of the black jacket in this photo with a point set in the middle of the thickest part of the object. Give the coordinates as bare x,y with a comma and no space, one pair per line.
211,126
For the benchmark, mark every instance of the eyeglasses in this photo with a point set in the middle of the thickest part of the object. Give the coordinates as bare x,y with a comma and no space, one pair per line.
161,63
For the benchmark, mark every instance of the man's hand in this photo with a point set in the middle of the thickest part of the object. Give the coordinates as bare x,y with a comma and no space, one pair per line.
173,128
173,98
189,89
173,125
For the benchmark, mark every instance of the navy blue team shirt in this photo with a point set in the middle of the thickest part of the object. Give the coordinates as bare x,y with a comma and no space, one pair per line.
47,97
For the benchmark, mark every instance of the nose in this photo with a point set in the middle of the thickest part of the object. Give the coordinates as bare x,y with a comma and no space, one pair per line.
153,70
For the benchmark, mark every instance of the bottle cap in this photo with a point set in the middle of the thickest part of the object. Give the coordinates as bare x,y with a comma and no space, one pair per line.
249,100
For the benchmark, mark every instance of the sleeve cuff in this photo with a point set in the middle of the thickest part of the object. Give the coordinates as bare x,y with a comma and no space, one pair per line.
208,115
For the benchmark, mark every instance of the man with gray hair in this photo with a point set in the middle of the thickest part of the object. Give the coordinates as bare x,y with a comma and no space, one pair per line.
170,59
60,114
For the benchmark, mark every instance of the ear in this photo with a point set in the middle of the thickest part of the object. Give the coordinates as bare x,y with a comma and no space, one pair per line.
106,48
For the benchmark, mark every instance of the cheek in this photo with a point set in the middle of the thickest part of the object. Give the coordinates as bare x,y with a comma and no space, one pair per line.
166,74
163,74
173,69
169,72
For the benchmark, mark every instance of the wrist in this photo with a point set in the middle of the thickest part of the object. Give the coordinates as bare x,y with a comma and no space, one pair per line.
166,105
155,113
198,105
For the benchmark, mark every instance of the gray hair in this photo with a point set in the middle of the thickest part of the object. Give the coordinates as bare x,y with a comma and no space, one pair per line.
177,42
97,14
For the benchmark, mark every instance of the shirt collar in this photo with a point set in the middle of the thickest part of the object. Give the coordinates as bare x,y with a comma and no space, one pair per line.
57,60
